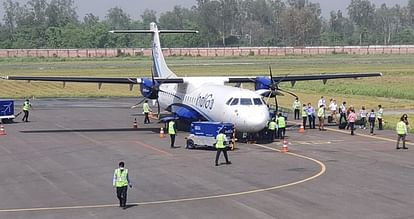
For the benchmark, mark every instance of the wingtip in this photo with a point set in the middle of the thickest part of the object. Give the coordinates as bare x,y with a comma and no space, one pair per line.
111,31
5,77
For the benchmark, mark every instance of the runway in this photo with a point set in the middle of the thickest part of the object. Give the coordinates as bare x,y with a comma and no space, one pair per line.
60,165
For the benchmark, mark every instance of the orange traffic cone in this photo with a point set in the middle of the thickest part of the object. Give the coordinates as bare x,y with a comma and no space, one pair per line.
135,124
301,129
2,130
285,146
162,135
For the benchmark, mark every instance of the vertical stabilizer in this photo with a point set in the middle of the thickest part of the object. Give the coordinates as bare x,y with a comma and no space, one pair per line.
160,68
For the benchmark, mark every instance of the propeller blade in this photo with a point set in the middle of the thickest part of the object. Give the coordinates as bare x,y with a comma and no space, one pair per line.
158,107
171,94
136,105
277,106
291,93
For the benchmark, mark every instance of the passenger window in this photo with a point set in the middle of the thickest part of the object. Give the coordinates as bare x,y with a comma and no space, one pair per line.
245,101
257,101
235,101
228,101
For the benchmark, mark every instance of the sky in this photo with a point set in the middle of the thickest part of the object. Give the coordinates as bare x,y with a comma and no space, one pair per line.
135,7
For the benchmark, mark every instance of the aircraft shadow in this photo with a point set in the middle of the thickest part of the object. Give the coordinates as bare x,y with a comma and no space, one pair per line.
155,130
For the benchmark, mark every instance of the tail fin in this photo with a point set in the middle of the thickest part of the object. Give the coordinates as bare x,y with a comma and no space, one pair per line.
160,67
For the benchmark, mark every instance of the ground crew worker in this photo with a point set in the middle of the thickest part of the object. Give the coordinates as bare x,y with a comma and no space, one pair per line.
271,126
221,147
321,116
26,107
380,114
121,182
401,132
304,115
281,124
147,110
172,131
371,120
296,108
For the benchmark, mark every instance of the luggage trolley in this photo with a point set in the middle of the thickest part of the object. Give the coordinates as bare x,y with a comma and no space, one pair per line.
204,133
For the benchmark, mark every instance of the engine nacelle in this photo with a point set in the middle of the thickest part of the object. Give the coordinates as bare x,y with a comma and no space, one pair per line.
149,89
262,83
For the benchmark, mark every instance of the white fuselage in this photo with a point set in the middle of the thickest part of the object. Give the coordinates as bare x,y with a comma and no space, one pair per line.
211,100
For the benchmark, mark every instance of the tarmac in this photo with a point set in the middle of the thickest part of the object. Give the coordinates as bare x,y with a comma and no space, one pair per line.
61,163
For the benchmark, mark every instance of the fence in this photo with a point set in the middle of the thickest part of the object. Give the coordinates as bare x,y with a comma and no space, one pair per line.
223,51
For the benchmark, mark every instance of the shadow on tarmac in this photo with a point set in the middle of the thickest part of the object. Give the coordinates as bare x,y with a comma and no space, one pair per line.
155,130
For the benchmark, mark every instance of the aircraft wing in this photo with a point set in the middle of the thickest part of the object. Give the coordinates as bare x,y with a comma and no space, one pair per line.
312,77
91,79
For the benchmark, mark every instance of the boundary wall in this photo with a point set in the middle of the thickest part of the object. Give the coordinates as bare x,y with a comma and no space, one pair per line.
214,51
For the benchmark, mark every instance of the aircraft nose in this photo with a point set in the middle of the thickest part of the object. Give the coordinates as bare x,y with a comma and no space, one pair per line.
254,120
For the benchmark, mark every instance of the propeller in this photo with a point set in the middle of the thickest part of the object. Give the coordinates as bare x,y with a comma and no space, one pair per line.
275,90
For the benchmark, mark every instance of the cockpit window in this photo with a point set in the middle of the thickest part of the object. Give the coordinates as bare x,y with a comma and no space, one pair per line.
235,101
229,101
257,101
245,101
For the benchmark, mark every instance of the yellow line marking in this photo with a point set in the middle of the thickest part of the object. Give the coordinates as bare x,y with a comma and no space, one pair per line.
322,171
362,135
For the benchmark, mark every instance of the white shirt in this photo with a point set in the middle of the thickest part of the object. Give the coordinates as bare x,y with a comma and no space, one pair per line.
333,106
321,102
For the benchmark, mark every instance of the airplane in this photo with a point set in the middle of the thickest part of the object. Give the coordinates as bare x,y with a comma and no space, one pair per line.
208,98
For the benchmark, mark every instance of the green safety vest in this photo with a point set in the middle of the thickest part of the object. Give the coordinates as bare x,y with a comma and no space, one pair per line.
380,113
121,177
296,105
220,140
321,112
26,106
272,125
401,127
304,113
146,108
281,122
171,129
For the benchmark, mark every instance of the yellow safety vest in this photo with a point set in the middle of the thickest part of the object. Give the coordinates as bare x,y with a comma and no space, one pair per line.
321,112
220,140
304,113
380,113
171,129
146,108
272,125
121,177
401,128
281,122
26,106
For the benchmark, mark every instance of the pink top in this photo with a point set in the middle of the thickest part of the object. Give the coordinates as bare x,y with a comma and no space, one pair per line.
352,117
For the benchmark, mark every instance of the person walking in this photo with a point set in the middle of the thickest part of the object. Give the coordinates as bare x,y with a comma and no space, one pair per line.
296,108
26,108
146,110
342,112
311,116
281,126
221,147
172,131
402,133
371,120
304,115
380,114
363,115
352,117
271,126
321,116
121,182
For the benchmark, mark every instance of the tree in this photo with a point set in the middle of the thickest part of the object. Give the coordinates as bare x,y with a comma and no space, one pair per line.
60,13
362,13
117,18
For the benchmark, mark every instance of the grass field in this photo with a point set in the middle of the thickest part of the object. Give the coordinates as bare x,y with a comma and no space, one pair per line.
394,90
